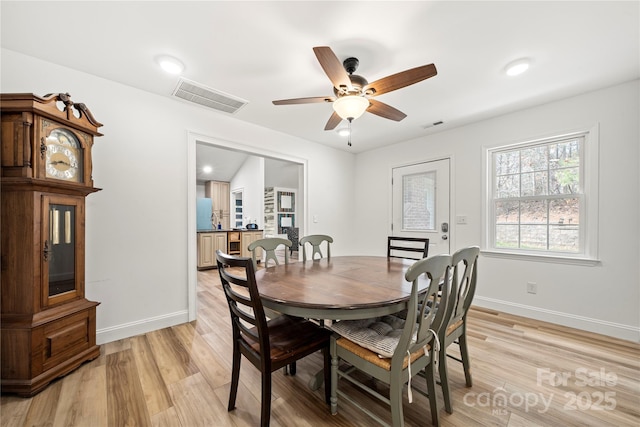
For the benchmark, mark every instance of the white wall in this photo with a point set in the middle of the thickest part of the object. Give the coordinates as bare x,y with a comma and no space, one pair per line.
136,227
250,179
280,174
603,298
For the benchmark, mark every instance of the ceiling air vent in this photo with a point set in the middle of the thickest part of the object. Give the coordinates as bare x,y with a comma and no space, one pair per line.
207,97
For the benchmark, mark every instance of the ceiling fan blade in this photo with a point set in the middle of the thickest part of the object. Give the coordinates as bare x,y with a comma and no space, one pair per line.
334,120
309,100
401,79
333,67
384,110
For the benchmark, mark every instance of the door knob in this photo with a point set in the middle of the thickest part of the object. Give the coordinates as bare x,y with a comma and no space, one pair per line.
444,237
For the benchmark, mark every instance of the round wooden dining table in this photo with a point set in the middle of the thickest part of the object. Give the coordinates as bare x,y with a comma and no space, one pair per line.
345,287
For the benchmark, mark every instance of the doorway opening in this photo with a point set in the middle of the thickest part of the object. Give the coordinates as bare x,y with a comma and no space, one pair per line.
271,163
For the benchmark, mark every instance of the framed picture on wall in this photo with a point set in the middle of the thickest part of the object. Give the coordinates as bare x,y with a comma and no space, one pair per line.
286,201
285,221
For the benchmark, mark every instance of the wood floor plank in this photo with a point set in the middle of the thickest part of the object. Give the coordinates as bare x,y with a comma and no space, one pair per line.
83,398
43,406
174,361
196,403
247,412
126,405
13,410
166,418
215,373
155,391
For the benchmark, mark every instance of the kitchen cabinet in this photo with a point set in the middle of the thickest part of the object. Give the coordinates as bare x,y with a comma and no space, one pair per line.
246,239
233,242
208,244
218,192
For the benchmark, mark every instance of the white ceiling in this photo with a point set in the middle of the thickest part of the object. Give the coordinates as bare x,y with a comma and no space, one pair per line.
262,51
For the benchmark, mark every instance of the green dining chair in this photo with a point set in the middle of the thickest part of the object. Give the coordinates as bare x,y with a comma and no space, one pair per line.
269,246
465,275
412,352
315,240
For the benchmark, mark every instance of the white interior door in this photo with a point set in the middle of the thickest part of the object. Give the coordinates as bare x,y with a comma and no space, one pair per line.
420,208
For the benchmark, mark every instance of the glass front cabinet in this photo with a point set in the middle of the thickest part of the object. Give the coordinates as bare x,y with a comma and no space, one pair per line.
48,326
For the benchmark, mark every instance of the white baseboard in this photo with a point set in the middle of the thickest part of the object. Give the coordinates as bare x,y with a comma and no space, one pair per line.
143,326
617,330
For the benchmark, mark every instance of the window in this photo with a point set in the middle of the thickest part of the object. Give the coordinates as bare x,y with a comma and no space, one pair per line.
418,194
541,197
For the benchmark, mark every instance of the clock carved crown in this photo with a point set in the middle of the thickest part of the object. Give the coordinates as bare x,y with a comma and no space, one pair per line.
53,137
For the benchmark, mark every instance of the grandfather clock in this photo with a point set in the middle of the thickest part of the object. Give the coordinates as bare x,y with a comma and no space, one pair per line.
48,326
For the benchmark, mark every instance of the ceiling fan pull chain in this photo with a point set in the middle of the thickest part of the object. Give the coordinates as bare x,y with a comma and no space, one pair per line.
349,141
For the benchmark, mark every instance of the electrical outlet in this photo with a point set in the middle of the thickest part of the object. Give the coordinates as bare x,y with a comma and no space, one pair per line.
532,287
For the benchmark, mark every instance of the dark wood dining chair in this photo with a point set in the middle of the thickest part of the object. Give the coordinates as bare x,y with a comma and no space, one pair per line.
407,247
465,275
394,358
315,240
268,344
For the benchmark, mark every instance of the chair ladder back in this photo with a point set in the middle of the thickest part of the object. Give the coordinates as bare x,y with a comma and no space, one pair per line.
247,313
397,244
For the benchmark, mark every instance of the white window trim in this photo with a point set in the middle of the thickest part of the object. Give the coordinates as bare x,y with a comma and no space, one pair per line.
590,166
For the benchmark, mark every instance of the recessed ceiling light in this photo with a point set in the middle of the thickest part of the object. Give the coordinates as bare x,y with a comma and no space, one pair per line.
170,64
517,67
207,169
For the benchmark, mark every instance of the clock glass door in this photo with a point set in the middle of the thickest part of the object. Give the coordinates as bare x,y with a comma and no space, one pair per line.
60,252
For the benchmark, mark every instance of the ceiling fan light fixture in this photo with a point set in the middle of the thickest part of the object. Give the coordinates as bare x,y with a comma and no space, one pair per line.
343,132
170,64
517,67
350,107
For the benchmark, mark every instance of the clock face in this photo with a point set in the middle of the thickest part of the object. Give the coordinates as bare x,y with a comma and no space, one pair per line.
64,156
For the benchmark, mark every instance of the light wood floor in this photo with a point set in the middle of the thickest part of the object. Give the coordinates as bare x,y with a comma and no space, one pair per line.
525,373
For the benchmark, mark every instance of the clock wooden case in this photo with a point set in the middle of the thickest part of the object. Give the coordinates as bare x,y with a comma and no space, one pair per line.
48,326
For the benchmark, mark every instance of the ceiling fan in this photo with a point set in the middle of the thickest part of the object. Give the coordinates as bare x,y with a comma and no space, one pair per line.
353,94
